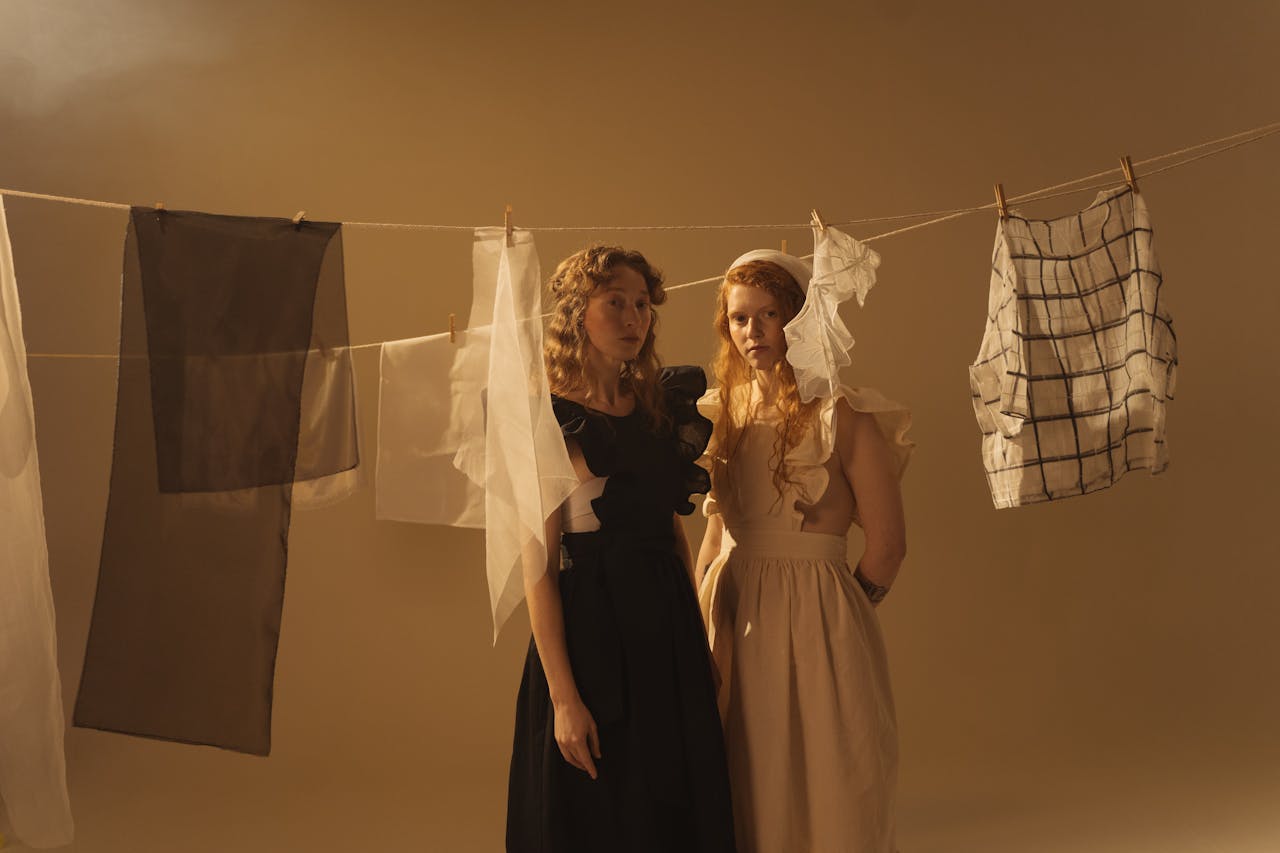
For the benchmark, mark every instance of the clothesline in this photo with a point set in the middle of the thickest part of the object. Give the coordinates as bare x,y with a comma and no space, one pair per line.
1083,184
1236,139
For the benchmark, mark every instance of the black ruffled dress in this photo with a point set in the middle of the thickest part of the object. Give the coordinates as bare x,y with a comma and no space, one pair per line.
639,656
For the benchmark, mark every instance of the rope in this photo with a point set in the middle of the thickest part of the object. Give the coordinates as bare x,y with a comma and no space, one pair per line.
1091,182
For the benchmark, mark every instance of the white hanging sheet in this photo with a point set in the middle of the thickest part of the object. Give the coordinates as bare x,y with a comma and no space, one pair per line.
415,478
33,781
490,454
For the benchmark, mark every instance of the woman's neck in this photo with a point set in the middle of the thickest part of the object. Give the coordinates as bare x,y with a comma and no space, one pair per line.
767,380
602,382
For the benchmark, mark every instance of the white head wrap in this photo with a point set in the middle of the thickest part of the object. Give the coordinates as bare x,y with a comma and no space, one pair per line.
818,342
800,269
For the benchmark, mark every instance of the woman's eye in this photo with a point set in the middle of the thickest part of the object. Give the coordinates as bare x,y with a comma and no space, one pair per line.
771,314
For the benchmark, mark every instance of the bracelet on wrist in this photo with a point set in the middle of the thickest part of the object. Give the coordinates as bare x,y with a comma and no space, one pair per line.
875,592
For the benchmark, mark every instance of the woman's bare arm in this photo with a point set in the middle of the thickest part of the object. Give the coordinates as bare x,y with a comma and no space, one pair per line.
546,615
868,465
575,729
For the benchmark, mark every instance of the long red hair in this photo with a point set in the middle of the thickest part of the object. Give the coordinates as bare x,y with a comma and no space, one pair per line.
734,374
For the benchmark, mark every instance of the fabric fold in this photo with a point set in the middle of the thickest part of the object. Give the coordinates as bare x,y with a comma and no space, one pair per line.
806,462
489,453
33,783
1079,359
818,341
416,480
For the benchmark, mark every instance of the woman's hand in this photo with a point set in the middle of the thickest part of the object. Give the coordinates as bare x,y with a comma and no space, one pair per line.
577,736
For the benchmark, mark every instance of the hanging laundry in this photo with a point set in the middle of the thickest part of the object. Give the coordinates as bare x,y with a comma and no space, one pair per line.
327,432
496,431
220,317
818,341
1079,357
416,479
33,783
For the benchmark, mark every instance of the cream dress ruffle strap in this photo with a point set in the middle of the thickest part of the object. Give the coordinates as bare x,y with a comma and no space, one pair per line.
807,460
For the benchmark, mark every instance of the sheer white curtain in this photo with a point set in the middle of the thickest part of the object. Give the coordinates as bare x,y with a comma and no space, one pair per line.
466,433
32,768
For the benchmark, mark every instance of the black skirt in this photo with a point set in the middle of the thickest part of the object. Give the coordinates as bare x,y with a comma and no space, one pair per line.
639,656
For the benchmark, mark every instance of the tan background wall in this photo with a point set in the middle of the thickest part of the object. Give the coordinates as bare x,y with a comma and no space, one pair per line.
1101,673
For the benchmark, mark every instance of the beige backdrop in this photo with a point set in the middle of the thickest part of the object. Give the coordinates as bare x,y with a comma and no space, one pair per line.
1098,674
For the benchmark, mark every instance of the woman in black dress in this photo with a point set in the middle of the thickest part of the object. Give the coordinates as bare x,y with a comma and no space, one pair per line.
618,745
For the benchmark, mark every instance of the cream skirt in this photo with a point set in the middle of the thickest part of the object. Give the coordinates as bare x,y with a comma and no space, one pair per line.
804,696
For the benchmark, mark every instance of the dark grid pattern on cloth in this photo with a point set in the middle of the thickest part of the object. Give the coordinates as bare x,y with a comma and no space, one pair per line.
1079,357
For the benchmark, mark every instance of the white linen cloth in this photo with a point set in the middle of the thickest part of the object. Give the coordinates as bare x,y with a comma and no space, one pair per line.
33,781
498,424
1079,358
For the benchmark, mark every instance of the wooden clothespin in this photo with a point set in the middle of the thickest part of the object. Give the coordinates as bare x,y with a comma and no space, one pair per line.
506,223
298,217
453,331
1001,208
784,245
817,219
1126,166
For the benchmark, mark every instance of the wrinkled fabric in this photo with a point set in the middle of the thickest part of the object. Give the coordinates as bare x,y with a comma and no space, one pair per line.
1079,358
416,479
493,415
33,784
527,472
220,316
818,341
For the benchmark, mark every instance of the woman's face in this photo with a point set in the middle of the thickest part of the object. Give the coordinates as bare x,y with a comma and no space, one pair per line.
618,315
755,326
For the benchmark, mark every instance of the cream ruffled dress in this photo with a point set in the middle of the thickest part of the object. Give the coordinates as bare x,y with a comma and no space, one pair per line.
804,696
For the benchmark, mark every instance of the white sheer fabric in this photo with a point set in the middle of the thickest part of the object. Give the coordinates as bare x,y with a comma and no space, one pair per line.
415,479
32,767
513,461
818,341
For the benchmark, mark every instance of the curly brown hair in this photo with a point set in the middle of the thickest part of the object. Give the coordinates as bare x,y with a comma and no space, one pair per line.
734,374
565,348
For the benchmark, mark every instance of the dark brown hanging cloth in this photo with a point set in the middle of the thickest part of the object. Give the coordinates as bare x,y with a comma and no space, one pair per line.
218,316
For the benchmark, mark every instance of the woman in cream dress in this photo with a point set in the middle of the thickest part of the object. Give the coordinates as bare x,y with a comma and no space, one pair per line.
804,687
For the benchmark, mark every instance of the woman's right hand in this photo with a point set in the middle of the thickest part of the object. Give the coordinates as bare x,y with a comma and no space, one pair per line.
576,735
